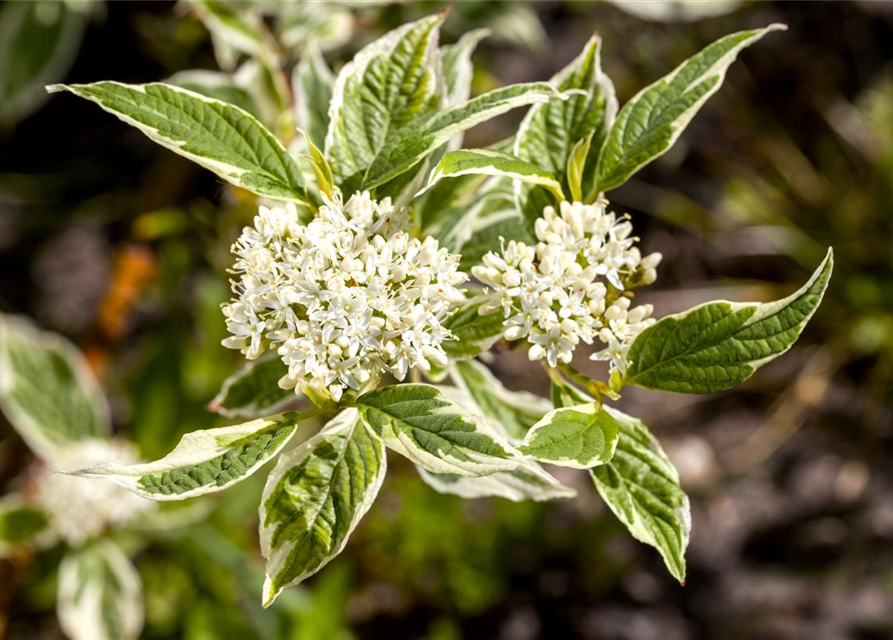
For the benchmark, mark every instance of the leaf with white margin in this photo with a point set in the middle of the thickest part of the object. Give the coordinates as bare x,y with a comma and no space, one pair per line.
458,72
204,461
718,345
464,162
458,69
548,133
514,411
641,487
655,117
47,390
20,524
215,84
219,136
387,85
100,594
528,482
253,391
419,422
313,81
409,146
580,436
315,497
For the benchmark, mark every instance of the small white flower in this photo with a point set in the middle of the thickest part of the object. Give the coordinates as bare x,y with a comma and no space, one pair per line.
344,298
573,286
79,509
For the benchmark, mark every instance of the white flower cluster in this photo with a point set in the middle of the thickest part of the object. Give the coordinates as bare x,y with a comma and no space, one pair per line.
343,298
573,285
79,509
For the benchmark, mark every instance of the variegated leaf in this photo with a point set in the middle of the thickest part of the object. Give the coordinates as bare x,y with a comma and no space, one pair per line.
219,136
100,594
718,345
580,436
313,83
655,117
417,421
513,411
641,487
528,482
315,497
253,391
549,132
20,524
203,461
47,391
491,163
389,84
410,145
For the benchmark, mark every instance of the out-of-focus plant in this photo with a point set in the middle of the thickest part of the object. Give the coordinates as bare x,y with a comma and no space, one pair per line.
350,277
38,44
51,398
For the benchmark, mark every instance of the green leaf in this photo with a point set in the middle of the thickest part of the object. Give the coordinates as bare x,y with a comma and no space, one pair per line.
38,44
20,524
100,594
253,391
515,412
312,84
314,499
203,461
580,437
47,391
218,136
528,482
491,163
458,72
550,131
718,345
215,84
473,333
458,69
651,122
576,165
409,145
388,85
417,421
321,168
234,30
641,487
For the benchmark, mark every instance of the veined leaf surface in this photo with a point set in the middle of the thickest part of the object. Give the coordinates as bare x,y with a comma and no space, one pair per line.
718,345
389,84
580,436
314,499
641,487
203,461
655,117
417,421
218,136
47,391
409,145
253,391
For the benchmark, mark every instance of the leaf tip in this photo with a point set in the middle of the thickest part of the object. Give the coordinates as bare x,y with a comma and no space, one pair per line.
270,593
57,88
